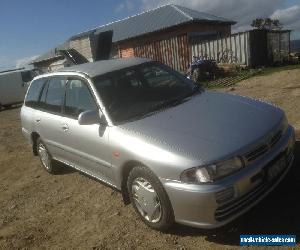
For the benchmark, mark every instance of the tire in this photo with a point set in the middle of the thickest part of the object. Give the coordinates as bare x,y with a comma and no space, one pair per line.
147,194
45,157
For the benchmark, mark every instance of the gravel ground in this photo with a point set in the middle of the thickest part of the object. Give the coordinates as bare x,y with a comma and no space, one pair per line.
72,211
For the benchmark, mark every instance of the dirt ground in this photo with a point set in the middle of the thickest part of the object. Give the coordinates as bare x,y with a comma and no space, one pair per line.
72,211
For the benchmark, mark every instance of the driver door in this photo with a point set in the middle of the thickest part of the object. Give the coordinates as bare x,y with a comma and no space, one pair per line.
86,146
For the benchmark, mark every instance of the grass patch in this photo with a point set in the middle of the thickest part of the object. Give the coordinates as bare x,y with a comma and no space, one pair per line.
271,70
232,80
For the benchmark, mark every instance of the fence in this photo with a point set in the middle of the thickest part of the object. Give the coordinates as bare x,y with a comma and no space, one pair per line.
251,48
232,49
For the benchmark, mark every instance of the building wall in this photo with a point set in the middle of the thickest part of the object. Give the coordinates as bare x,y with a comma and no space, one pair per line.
125,51
44,66
114,53
170,46
128,48
173,52
83,46
222,29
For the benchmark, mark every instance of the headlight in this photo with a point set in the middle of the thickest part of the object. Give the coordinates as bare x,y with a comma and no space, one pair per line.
210,173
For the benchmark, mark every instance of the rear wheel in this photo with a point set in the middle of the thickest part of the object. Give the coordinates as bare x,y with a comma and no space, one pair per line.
149,199
45,157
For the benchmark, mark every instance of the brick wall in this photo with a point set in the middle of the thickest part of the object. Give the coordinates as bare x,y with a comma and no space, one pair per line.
126,51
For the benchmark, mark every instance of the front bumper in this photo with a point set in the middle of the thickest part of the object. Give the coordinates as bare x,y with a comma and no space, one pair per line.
200,206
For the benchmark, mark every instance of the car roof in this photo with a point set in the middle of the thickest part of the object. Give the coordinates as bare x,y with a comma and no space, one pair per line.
93,69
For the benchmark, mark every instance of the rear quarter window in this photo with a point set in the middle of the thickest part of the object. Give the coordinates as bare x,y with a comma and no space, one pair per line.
33,93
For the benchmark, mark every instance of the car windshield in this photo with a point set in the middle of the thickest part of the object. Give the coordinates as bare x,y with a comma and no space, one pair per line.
133,93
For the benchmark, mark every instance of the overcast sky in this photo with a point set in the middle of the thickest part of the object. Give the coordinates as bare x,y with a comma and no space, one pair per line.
30,28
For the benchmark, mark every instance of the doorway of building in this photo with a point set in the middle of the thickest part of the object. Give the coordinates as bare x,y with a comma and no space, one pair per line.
102,45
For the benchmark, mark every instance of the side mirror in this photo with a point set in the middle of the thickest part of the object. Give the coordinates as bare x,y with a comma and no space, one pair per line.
90,117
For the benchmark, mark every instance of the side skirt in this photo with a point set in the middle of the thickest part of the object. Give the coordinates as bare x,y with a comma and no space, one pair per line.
87,173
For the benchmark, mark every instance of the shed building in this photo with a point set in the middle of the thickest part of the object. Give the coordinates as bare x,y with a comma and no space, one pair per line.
161,34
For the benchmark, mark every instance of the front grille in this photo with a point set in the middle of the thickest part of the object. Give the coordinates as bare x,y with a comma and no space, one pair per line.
257,152
275,138
264,147
226,211
225,195
231,208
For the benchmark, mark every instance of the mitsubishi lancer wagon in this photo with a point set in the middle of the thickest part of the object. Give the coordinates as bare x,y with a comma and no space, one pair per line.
176,152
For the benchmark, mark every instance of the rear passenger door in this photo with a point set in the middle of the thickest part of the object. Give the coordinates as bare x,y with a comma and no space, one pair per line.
86,146
30,105
48,115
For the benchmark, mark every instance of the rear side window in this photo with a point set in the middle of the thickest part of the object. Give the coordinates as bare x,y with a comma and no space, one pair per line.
34,91
54,94
78,98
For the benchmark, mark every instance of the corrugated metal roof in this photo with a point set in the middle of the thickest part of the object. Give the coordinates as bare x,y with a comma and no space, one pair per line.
93,69
153,20
202,16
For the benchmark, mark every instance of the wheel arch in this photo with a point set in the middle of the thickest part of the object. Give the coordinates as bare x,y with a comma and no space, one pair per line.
34,137
125,170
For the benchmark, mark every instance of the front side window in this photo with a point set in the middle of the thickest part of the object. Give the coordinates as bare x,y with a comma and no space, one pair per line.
135,92
34,91
78,98
53,97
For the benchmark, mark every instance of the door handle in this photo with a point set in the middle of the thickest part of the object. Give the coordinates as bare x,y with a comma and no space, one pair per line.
65,127
38,120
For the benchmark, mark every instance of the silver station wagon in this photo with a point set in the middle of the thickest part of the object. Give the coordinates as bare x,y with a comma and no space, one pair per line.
177,152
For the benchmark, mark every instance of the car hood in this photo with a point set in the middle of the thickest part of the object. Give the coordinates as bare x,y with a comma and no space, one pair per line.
210,126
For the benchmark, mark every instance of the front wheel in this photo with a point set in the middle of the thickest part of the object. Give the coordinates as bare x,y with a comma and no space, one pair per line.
149,199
